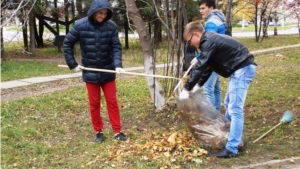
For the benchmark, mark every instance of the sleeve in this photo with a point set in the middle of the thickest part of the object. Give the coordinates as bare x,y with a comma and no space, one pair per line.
205,76
211,27
198,56
70,40
201,72
116,49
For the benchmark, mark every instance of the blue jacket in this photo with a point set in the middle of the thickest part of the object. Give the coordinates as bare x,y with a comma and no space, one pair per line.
215,22
99,43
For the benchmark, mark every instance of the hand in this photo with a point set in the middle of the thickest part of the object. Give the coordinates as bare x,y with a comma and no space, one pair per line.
119,70
194,61
195,88
184,94
78,68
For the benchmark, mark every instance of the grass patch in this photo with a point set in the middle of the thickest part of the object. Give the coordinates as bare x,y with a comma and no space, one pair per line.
251,28
270,42
54,130
12,70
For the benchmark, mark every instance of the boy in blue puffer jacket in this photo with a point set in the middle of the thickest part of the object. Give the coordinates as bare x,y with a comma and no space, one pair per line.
215,22
101,49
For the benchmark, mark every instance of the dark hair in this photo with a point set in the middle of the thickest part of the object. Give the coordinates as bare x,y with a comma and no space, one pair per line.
208,3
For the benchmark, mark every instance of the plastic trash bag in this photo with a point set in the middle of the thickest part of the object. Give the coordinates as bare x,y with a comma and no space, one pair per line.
209,127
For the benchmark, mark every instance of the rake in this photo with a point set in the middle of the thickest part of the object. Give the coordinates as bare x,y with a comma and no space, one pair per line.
181,80
286,118
130,73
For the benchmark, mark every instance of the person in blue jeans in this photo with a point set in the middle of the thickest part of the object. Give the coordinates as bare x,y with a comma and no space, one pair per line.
215,22
229,58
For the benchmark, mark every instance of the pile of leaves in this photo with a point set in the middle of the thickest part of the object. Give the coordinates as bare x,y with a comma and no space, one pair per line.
167,149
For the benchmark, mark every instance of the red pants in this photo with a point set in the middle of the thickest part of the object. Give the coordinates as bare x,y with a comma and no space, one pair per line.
94,94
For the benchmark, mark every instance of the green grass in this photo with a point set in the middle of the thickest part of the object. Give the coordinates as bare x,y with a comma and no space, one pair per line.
54,130
12,70
238,28
270,42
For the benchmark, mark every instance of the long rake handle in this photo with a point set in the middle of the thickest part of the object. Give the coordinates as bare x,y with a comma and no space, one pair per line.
183,76
130,73
267,132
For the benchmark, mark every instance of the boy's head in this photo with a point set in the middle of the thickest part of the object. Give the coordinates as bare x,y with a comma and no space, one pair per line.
100,15
193,32
205,6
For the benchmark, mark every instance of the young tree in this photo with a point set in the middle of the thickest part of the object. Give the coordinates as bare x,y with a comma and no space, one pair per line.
145,40
293,7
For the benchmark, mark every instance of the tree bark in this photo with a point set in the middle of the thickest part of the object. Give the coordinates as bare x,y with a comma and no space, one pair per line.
157,28
2,46
228,18
275,23
1,33
66,11
32,38
157,33
25,35
126,28
57,27
149,64
39,33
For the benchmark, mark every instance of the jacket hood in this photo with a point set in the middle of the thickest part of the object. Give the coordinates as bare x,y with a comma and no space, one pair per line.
217,13
98,5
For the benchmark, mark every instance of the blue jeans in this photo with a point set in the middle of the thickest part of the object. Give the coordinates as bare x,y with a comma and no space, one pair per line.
212,91
234,103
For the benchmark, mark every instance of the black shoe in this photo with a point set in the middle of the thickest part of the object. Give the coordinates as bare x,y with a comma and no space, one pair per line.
99,138
121,136
224,153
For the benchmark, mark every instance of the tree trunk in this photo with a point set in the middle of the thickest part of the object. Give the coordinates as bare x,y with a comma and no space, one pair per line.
66,10
275,23
180,35
2,46
265,27
255,22
228,18
73,19
25,34
32,38
57,27
184,13
157,33
299,26
157,28
126,28
79,9
1,33
39,33
149,64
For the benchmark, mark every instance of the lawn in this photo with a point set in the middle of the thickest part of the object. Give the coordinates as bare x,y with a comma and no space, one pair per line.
132,57
251,27
54,130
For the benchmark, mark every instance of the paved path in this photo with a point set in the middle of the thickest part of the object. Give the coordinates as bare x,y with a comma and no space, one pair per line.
29,81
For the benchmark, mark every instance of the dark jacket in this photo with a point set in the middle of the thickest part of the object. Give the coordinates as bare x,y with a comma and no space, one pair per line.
99,43
221,54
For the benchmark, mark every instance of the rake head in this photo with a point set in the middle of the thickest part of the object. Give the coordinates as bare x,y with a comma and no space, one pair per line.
287,117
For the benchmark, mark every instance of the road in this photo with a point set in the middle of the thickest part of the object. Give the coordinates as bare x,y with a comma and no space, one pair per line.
9,35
